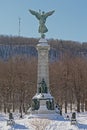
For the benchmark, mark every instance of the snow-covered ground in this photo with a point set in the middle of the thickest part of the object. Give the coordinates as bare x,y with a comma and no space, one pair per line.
44,124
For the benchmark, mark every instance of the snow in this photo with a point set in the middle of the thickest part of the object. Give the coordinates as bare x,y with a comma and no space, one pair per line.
42,40
40,96
43,43
61,123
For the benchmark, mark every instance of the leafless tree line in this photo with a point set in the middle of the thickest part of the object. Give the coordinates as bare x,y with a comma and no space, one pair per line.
70,78
17,83
18,79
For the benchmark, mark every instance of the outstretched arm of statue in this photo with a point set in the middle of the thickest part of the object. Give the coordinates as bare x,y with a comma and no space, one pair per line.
35,13
49,13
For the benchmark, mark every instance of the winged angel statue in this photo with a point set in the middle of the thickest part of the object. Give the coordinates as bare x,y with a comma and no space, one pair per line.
42,20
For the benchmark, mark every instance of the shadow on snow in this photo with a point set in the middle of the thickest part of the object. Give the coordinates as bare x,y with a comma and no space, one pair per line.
82,126
18,126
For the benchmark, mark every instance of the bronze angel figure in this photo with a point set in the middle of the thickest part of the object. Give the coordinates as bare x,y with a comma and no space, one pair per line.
42,20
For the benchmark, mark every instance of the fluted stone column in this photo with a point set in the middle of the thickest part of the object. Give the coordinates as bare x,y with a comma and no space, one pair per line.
43,61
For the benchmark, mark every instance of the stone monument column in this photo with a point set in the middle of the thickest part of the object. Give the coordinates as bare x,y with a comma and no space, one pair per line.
43,61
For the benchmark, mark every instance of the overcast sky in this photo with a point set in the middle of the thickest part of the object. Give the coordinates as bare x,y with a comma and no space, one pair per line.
69,22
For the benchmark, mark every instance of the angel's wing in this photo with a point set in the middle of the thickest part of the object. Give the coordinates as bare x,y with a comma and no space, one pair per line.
35,13
49,13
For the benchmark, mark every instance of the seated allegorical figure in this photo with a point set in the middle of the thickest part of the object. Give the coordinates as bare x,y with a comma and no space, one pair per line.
43,87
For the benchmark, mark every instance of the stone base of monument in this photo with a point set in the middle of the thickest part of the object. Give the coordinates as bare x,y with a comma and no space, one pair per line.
43,106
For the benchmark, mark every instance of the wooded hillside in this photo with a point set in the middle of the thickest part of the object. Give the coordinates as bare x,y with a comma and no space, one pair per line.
13,46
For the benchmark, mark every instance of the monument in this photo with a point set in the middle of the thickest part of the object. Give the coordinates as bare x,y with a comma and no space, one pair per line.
43,104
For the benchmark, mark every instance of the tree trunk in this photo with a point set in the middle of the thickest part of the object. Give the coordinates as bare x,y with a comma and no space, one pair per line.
78,105
13,104
65,106
71,106
13,107
23,108
82,105
8,109
4,108
85,105
20,109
